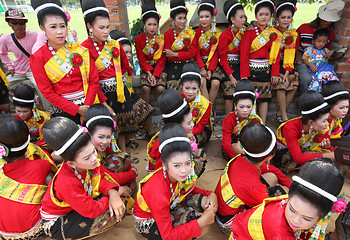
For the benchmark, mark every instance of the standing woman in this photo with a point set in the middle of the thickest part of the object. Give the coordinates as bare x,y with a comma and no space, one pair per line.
260,57
180,45
229,50
168,203
111,62
64,71
207,36
149,50
288,85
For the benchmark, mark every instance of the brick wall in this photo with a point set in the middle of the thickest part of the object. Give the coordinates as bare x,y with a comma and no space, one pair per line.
118,15
342,38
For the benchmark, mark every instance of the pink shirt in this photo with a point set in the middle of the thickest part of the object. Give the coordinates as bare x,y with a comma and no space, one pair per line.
21,63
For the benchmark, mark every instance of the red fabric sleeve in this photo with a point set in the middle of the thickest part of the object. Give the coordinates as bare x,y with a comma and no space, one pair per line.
228,124
79,199
44,84
140,56
201,191
155,154
224,41
94,84
214,60
122,178
190,53
245,45
159,206
205,120
291,132
198,57
282,179
123,60
275,69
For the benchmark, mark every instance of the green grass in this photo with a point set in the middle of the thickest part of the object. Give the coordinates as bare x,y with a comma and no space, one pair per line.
306,12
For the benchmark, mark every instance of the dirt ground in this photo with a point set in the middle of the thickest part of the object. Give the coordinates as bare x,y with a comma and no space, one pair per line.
126,229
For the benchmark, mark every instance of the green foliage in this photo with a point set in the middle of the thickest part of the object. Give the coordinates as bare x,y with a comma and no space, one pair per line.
136,29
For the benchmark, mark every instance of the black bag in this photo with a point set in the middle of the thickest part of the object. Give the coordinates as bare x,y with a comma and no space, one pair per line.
19,45
342,149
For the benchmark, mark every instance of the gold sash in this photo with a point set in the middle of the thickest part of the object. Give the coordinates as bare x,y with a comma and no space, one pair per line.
20,192
200,105
160,41
189,34
264,37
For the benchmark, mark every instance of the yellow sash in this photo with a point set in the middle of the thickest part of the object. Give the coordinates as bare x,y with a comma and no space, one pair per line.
255,229
95,183
33,149
4,78
207,35
227,192
20,192
113,45
201,105
241,124
263,38
236,39
189,34
149,147
185,188
55,74
160,41
290,39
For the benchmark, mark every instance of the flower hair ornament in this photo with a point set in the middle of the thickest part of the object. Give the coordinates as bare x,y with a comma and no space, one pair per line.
4,152
339,205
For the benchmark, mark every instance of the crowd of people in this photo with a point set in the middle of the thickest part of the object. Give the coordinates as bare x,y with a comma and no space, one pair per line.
64,166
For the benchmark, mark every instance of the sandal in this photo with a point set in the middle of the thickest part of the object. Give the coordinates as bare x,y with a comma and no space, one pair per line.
132,144
278,119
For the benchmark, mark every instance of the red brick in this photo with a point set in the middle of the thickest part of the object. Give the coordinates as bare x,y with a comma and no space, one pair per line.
343,68
346,14
346,23
113,2
345,77
343,41
118,9
117,19
347,5
120,27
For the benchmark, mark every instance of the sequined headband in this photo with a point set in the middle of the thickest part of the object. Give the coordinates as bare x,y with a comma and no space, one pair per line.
69,142
173,139
268,150
97,117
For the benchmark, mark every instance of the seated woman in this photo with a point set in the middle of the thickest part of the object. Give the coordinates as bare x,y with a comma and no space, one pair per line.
300,139
174,109
83,198
302,214
260,179
336,95
101,127
190,81
22,183
26,111
244,99
168,204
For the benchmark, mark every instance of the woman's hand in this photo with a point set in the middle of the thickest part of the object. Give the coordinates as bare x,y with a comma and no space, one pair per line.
233,80
116,205
325,144
82,112
170,53
209,74
191,137
207,217
298,57
275,80
211,201
111,111
153,81
124,191
203,72
285,78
